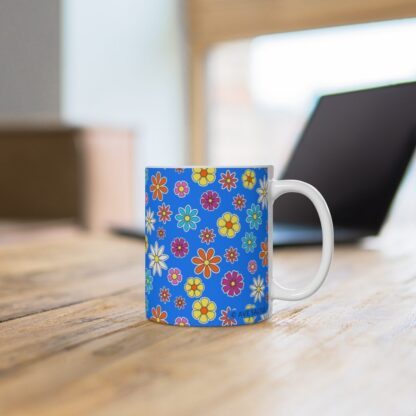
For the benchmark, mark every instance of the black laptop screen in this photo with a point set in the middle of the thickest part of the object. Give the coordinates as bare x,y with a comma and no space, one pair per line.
354,150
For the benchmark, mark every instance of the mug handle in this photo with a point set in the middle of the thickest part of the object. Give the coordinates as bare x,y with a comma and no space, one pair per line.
278,188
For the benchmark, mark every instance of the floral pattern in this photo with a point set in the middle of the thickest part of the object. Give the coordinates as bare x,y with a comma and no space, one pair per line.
174,276
181,189
203,176
228,181
158,187
228,225
179,247
232,283
194,287
203,310
157,259
187,218
207,236
206,246
206,262
210,200
164,213
227,318
254,217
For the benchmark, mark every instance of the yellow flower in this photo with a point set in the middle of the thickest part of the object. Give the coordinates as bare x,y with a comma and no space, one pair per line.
249,179
203,310
194,287
250,318
203,176
228,225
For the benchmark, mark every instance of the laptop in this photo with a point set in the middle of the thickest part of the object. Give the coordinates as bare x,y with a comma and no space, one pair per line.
354,149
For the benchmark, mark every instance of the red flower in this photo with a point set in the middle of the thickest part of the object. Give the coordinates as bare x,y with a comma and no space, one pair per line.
228,180
207,235
161,233
239,202
158,186
164,295
179,247
210,200
231,255
180,302
164,213
264,253
226,318
206,262
232,283
158,315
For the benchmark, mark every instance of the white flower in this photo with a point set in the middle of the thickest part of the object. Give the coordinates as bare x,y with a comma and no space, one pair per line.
257,289
150,221
262,191
157,259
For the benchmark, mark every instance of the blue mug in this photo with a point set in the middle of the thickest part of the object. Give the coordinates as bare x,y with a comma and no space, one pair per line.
208,244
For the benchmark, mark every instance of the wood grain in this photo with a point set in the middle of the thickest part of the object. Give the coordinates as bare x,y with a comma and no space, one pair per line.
350,349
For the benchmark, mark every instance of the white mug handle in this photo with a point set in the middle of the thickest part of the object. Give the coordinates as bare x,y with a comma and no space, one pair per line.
278,188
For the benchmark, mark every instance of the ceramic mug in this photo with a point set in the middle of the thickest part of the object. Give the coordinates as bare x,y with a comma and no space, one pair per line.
209,245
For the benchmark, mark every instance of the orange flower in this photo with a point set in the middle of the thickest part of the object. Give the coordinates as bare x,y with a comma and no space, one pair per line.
206,262
264,253
158,186
158,315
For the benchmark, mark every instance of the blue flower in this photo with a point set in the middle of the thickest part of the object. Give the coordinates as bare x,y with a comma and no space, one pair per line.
254,217
249,242
187,218
148,281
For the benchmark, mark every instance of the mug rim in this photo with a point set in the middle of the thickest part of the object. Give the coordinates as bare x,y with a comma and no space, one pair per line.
209,166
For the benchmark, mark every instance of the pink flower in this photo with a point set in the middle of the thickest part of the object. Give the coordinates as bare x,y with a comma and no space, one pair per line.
210,200
239,202
231,255
228,180
207,235
232,283
174,276
181,321
164,295
226,318
179,247
181,189
252,266
180,302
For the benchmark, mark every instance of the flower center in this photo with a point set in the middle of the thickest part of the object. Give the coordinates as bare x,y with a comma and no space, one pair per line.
157,186
179,247
255,216
181,189
229,224
174,276
187,217
204,310
210,200
249,242
249,178
194,287
232,283
228,180
204,173
156,259
206,262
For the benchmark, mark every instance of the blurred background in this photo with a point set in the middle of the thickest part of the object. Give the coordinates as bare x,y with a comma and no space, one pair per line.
93,91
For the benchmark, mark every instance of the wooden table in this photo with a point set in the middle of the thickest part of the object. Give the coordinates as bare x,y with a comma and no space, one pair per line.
74,339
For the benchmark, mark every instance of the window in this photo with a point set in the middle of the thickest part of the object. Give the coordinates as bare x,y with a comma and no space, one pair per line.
260,92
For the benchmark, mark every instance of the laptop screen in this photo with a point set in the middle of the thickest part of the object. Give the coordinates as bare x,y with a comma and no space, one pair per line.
354,150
